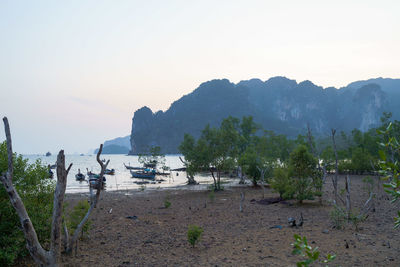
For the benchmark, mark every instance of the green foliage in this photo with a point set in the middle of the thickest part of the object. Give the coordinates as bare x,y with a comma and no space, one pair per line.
282,183
194,234
250,161
217,149
338,217
306,178
312,255
75,216
36,191
390,167
167,203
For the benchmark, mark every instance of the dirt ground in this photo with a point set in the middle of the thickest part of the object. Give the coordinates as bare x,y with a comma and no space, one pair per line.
157,236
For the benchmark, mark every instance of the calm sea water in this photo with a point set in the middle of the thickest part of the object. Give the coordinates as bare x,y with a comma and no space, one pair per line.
122,179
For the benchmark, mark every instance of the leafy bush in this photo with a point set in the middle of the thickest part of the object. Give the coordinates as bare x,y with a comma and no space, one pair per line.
167,204
302,248
75,216
281,183
36,191
306,178
338,217
194,234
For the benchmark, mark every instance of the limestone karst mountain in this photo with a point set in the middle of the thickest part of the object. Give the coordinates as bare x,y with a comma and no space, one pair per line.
279,104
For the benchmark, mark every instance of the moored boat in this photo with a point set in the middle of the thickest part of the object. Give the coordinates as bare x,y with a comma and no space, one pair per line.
80,176
133,168
144,174
109,172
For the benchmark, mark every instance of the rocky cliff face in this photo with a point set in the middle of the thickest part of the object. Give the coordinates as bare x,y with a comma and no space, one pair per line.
278,104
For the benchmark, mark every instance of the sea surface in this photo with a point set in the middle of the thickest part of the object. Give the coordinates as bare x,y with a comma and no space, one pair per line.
122,180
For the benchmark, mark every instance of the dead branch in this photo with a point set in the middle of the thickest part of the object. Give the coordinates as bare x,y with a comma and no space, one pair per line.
103,168
93,203
348,201
335,178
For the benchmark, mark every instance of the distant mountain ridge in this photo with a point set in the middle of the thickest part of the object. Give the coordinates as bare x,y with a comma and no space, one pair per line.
279,104
119,145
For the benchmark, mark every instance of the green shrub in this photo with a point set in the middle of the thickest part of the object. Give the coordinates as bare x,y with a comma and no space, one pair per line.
75,216
36,191
194,234
281,183
306,179
167,204
312,255
338,217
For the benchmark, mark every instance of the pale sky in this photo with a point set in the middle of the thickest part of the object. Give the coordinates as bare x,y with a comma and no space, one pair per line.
72,73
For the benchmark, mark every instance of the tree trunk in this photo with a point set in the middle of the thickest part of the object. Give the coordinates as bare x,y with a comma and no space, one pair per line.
348,200
262,174
335,178
62,173
190,177
215,180
241,176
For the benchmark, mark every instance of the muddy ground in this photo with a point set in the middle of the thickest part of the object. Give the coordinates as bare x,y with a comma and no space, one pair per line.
157,236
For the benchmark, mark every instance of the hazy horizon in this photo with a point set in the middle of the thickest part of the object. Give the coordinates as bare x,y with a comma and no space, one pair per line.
73,73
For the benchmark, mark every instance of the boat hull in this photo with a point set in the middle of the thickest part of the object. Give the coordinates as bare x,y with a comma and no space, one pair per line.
141,175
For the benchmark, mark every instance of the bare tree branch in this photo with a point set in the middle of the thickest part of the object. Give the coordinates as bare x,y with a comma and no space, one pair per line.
335,178
93,202
9,149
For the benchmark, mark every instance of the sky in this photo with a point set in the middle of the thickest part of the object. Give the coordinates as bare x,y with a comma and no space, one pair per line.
72,73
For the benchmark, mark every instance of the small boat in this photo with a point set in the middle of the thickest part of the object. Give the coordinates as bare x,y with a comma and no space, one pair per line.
109,172
133,168
94,181
80,176
91,174
144,174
